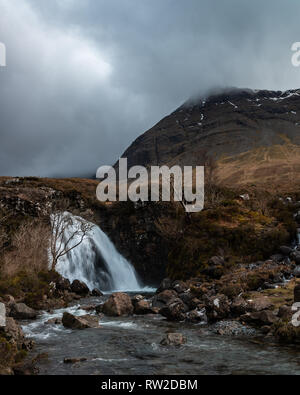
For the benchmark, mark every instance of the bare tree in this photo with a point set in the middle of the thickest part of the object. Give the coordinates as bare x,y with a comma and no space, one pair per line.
67,233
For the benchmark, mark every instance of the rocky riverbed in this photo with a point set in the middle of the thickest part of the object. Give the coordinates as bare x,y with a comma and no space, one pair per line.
135,345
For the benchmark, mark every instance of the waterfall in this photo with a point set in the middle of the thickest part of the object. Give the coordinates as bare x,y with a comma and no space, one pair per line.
95,261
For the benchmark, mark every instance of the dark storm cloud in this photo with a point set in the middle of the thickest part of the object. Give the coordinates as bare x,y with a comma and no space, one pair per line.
86,77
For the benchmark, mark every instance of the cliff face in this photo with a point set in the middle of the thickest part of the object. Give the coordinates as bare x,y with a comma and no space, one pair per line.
254,136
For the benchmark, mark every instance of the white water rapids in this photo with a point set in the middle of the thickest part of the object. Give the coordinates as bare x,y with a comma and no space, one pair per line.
95,261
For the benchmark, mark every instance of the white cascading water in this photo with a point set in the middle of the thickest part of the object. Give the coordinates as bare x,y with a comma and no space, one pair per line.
96,261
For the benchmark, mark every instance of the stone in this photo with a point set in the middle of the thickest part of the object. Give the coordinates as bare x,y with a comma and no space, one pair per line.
54,321
239,306
163,298
174,311
63,284
74,360
142,307
217,307
80,288
165,284
83,322
277,258
285,313
295,256
297,293
173,339
197,316
284,250
260,318
20,311
97,293
2,315
259,304
119,304
180,286
215,267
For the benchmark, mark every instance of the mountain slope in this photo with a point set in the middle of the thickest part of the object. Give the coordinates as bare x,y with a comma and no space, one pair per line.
254,136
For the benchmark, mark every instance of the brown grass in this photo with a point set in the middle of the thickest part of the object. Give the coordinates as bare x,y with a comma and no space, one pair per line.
28,252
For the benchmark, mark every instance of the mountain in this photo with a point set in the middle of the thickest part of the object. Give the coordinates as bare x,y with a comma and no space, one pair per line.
253,136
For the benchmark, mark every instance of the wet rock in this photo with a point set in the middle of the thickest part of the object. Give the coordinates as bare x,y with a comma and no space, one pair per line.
239,306
285,313
197,316
91,307
20,311
96,292
84,322
260,318
80,288
142,307
173,339
296,272
2,315
286,251
174,311
54,321
297,293
164,298
186,297
232,328
74,360
63,284
217,307
99,308
165,284
27,368
119,304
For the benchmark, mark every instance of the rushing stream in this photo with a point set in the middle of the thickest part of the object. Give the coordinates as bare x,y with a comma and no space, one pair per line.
132,345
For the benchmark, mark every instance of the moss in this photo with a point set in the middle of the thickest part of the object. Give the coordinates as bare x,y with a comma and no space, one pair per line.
286,332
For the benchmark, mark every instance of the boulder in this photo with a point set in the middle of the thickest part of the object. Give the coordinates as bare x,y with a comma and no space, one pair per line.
20,311
197,316
54,321
180,286
142,307
239,306
174,311
63,284
13,332
80,288
260,318
74,360
165,284
2,315
259,304
217,307
186,297
286,251
173,339
83,322
97,293
118,304
285,313
215,267
160,300
297,293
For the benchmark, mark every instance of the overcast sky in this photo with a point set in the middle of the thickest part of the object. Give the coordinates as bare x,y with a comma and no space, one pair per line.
84,78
